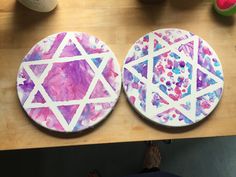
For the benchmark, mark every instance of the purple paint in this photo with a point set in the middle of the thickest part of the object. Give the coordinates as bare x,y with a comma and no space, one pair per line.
62,88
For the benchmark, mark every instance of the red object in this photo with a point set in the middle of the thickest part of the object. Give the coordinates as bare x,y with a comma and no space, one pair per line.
225,4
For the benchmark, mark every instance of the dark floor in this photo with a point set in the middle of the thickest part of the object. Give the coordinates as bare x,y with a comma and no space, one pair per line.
211,157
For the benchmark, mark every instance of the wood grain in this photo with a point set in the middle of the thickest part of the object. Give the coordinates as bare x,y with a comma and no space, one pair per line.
119,24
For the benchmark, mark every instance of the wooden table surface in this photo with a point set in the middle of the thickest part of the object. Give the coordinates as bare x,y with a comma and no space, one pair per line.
119,23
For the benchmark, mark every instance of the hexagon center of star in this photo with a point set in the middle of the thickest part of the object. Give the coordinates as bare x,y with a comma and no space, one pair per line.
68,80
173,75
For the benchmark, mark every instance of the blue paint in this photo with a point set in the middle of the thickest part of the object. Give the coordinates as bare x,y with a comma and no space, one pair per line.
155,60
176,70
189,66
158,46
188,92
174,55
142,68
163,88
216,63
97,61
218,73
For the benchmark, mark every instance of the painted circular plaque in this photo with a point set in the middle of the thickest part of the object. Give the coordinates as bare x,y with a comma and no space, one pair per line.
172,77
69,82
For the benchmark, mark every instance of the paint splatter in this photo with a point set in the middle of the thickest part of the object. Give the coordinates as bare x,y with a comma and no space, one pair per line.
172,115
136,89
91,115
187,49
141,68
172,36
158,101
208,60
203,80
140,49
173,75
24,85
206,103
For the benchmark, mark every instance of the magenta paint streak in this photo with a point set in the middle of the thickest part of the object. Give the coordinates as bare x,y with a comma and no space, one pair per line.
110,74
68,81
90,44
38,98
99,91
26,87
70,50
45,117
38,52
68,112
38,69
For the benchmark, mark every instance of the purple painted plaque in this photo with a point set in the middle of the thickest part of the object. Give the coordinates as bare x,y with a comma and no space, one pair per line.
69,82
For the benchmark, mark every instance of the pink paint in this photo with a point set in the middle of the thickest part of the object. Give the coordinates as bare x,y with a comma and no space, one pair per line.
62,88
205,105
175,75
132,99
68,80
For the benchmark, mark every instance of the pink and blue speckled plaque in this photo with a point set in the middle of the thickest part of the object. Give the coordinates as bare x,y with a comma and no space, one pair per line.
173,77
69,82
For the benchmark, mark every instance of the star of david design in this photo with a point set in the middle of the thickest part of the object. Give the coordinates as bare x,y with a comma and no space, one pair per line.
151,87
98,76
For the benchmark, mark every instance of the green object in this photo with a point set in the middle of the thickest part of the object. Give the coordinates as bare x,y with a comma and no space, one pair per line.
223,7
